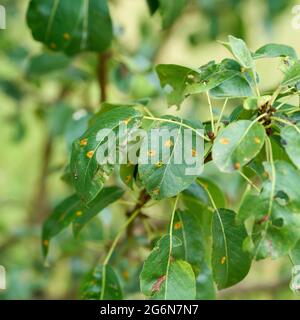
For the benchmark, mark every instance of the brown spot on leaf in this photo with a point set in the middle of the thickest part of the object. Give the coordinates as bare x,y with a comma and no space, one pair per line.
177,225
90,154
83,142
157,285
257,140
159,164
78,213
194,153
53,45
46,243
237,166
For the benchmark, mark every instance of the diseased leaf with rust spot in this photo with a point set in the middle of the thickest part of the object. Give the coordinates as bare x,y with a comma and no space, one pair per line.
230,262
164,277
237,145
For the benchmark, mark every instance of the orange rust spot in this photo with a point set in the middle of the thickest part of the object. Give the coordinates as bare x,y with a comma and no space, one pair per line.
224,141
237,166
127,179
177,225
257,140
151,153
168,143
53,45
157,285
223,259
83,142
90,154
78,213
194,153
67,36
126,121
159,164
46,243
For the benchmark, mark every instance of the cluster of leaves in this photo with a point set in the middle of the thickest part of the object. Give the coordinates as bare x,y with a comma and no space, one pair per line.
205,243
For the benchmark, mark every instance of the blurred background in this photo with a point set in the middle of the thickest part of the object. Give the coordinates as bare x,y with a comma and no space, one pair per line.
45,102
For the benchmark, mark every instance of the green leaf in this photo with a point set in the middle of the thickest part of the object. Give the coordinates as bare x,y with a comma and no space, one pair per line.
45,63
102,284
164,278
127,174
71,26
237,145
210,82
170,10
241,52
88,176
236,87
174,80
295,254
291,142
274,50
107,196
281,228
274,222
62,216
230,262
163,176
187,227
292,76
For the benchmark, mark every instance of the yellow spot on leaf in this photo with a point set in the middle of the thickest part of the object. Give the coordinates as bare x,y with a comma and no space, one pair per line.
177,225
151,153
224,141
194,153
237,166
156,191
90,154
83,142
46,243
78,213
67,36
168,143
159,164
126,121
223,260
257,140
